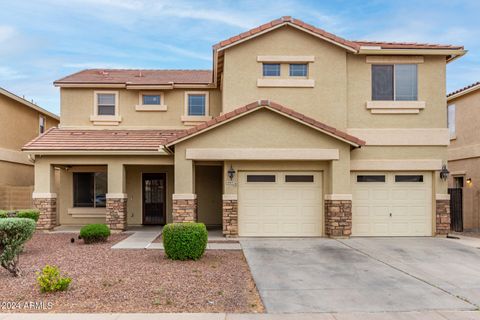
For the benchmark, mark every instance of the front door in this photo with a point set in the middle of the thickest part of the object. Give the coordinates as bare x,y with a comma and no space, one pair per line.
154,195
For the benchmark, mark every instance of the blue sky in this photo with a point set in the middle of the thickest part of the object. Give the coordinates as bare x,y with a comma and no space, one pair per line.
44,40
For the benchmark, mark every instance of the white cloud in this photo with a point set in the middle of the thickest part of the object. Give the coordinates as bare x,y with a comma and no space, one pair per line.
95,65
6,33
187,53
7,73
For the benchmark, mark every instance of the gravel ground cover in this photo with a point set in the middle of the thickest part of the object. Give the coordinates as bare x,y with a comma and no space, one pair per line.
106,280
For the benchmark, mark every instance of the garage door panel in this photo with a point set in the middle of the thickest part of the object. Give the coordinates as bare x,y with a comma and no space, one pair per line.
409,203
280,208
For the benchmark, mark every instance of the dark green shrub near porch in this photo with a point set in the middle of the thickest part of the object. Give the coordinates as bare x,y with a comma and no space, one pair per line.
185,241
92,233
33,214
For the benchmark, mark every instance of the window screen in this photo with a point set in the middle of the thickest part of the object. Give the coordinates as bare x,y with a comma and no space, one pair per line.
89,189
271,69
149,99
406,82
451,120
370,178
106,104
382,82
299,178
298,70
260,178
196,104
408,178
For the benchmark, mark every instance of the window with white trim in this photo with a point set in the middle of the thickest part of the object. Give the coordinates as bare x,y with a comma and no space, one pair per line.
451,120
42,124
394,82
106,104
151,99
197,104
271,69
298,69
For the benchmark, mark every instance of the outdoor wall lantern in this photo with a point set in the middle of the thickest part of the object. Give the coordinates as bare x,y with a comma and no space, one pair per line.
444,173
469,181
231,173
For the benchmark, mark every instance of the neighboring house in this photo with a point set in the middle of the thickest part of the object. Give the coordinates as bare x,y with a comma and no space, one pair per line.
21,121
464,150
295,132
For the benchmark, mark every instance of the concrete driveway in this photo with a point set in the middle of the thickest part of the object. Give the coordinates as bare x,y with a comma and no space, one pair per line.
364,274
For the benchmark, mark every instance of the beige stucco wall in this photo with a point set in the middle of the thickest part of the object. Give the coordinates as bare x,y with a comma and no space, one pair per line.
431,89
78,105
266,129
15,174
325,102
467,119
208,186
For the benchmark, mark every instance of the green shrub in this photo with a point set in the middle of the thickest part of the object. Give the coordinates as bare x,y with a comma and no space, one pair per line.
185,241
3,214
50,280
95,233
14,232
33,214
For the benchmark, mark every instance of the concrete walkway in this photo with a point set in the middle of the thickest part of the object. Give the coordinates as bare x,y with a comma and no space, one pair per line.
414,315
140,239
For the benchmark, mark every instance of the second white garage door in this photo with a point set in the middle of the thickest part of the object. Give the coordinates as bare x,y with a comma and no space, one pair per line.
392,204
280,204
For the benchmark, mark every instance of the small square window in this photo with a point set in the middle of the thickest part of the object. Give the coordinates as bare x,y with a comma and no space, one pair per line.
458,182
106,104
370,178
298,70
271,70
260,178
196,104
151,99
408,178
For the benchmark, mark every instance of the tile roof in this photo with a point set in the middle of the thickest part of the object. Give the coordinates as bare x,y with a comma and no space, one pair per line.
109,140
464,89
354,45
138,77
256,106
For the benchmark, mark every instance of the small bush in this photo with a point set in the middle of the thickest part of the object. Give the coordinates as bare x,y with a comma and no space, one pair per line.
3,214
50,280
33,214
14,232
185,241
92,233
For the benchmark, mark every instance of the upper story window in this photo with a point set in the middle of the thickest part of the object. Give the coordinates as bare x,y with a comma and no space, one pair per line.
151,99
106,104
394,82
271,69
196,107
196,104
451,120
42,124
298,70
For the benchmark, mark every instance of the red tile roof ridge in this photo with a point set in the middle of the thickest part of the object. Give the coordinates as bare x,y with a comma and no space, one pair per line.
463,89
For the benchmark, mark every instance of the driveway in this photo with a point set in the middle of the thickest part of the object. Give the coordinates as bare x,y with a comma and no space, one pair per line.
364,274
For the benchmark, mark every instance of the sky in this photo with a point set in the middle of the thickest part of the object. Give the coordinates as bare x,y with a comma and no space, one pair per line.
44,40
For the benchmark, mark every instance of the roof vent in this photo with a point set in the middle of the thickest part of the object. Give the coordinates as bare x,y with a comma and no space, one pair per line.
104,73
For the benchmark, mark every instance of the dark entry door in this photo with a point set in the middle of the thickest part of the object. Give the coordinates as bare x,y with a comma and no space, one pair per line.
154,195
456,209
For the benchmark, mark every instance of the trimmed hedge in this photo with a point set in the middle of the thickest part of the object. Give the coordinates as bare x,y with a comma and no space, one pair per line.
185,241
33,214
92,233
14,232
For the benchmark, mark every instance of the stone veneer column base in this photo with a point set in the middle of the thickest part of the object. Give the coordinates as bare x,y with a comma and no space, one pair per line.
184,208
442,217
338,218
116,213
48,212
230,216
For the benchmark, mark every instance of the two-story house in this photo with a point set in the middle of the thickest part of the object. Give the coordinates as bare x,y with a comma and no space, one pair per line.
464,154
21,121
295,132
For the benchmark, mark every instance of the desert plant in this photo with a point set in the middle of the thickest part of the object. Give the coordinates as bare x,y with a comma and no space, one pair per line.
33,214
95,233
50,280
185,241
14,232
3,214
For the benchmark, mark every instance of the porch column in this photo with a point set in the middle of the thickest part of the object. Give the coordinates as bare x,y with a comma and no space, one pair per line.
442,206
338,199
44,197
184,200
230,215
116,209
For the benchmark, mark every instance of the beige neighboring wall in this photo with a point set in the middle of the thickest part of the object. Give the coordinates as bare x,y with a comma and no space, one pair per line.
78,105
325,101
431,90
208,187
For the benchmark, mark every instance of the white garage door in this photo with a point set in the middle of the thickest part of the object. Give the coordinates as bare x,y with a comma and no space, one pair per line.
392,204
280,204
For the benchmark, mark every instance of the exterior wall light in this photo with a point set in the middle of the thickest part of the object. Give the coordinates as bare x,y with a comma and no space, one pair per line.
231,173
469,181
444,173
